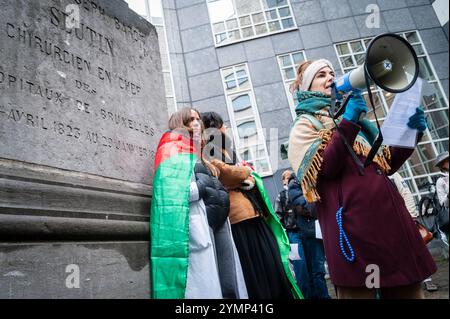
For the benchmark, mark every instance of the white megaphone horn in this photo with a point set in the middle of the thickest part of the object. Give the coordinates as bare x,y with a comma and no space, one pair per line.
390,63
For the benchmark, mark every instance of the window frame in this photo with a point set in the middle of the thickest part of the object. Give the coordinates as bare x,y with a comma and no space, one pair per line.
252,24
260,143
287,83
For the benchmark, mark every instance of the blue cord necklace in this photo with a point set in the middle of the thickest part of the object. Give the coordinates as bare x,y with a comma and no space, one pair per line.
342,237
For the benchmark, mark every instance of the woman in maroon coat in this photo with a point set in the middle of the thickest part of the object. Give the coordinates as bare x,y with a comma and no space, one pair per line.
370,239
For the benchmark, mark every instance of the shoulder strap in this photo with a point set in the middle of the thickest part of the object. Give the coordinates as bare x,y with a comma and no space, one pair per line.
283,200
315,122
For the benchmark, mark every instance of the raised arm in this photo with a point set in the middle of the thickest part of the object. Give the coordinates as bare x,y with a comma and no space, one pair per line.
231,176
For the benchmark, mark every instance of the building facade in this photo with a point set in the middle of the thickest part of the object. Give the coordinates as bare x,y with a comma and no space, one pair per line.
238,58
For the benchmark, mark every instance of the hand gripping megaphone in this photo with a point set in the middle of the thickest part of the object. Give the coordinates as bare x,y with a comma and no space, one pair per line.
390,63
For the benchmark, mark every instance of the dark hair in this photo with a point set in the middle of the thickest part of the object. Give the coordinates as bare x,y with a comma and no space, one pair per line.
220,144
212,119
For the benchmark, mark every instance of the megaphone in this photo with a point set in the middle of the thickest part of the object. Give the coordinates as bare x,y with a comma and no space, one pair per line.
390,63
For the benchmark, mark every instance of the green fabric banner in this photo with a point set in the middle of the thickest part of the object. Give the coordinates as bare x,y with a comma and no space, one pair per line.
169,226
280,234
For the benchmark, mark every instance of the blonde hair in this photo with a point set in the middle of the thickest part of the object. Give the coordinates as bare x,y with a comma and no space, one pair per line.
300,70
286,173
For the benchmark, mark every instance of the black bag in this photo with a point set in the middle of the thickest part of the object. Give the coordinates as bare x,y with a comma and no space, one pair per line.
428,216
289,218
442,219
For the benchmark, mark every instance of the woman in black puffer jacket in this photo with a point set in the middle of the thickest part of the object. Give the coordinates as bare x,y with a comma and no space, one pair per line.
214,195
217,203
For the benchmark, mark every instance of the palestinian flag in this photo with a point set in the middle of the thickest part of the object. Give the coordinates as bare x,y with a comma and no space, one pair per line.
169,218
280,235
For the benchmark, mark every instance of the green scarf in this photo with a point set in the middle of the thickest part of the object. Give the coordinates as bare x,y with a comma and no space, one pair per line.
315,106
317,103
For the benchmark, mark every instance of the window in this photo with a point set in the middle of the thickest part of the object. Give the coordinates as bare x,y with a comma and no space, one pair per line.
288,64
152,11
241,103
244,118
247,129
419,169
237,20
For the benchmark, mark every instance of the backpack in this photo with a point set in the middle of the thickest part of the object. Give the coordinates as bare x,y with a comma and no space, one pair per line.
289,218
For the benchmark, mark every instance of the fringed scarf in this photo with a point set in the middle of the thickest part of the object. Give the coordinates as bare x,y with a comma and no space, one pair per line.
306,148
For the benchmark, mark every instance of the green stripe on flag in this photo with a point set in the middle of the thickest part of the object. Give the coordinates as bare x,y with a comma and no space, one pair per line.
169,226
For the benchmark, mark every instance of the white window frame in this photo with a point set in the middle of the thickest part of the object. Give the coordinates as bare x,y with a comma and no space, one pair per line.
287,82
255,117
252,25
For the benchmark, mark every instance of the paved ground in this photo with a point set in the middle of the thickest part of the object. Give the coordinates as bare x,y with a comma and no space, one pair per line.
440,278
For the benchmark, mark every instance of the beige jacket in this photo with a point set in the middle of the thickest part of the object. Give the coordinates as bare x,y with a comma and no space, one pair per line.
233,177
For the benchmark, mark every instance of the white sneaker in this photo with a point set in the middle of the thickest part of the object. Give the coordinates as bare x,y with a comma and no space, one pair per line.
327,273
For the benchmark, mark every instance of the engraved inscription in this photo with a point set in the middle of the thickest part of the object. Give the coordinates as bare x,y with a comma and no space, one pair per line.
8,80
127,123
30,39
78,90
83,33
71,130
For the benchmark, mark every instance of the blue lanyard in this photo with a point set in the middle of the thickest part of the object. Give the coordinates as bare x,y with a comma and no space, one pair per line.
342,237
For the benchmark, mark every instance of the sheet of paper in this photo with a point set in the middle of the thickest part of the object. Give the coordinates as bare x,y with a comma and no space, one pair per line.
318,230
293,254
395,129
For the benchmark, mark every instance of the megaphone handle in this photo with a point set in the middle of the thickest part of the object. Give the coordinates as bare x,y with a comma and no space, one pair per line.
356,160
377,144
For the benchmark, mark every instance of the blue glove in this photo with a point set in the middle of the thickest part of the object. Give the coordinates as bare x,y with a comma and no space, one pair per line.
418,121
355,108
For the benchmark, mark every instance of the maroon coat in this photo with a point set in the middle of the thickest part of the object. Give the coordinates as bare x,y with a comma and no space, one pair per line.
375,219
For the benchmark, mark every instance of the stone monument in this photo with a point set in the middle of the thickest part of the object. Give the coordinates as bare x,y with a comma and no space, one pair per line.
82,108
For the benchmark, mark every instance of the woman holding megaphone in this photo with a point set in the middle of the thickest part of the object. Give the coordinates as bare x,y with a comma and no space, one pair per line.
369,237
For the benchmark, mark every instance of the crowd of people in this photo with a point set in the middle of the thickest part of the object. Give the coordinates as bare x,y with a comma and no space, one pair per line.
215,234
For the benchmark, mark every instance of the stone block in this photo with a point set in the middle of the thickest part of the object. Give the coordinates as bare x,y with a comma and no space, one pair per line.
205,85
264,72
315,35
201,61
398,20
343,30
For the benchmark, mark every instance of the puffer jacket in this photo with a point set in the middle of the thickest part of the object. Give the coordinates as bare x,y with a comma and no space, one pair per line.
306,212
214,195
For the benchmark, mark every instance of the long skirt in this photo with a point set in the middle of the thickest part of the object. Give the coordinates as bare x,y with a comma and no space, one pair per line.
259,254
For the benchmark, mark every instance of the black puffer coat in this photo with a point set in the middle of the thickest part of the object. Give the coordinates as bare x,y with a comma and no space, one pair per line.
214,195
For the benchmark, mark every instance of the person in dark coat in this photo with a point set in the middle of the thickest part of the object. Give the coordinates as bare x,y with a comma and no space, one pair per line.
289,219
312,246
264,266
369,238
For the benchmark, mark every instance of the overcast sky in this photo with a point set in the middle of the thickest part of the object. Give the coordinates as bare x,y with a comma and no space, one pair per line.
139,7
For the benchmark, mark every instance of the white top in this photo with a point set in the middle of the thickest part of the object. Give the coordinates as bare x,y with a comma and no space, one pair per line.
442,189
403,189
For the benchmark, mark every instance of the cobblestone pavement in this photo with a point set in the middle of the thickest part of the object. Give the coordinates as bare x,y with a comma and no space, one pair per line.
440,279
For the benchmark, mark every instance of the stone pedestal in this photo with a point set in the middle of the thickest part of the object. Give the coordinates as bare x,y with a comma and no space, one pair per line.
82,108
